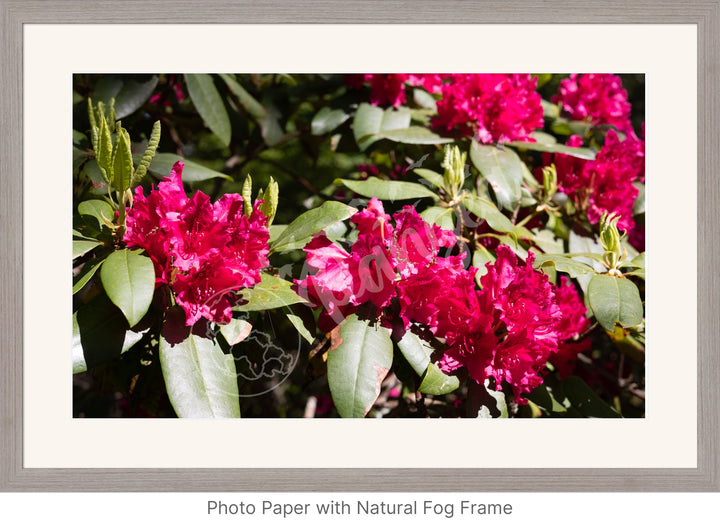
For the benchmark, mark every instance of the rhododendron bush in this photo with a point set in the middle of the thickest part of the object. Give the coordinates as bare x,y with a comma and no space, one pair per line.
360,245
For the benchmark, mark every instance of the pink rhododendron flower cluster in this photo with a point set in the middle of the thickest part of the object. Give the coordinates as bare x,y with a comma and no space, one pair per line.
599,98
507,330
389,89
494,107
606,183
203,251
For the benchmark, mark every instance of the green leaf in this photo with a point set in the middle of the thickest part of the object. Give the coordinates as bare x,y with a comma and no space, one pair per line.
272,292
546,143
103,154
614,301
639,261
502,169
417,353
387,190
209,105
370,120
91,170
434,178
587,402
270,127
123,161
639,207
424,99
87,272
299,325
129,281
414,135
133,95
481,257
437,383
162,164
148,154
565,264
312,222
545,401
327,120
249,103
100,334
486,210
201,381
436,215
357,363
81,248
97,209
236,331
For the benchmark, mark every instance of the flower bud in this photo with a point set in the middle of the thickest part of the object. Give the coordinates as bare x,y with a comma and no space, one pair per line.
550,180
610,239
247,196
270,201
454,164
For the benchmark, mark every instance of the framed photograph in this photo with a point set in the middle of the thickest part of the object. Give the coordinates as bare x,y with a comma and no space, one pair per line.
296,262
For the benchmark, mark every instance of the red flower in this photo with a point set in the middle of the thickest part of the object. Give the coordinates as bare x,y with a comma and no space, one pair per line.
599,98
205,252
340,281
495,107
606,183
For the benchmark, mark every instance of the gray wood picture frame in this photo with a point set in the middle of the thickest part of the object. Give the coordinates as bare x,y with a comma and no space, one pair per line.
15,13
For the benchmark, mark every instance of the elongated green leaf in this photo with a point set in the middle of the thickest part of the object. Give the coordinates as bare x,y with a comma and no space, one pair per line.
270,128
209,105
587,402
434,178
486,210
162,164
249,103
87,272
414,135
100,334
417,353
311,222
565,264
122,162
201,381
546,143
424,99
148,154
357,366
614,301
129,281
132,96
327,120
387,190
81,248
370,120
299,325
502,169
272,292
103,155
437,383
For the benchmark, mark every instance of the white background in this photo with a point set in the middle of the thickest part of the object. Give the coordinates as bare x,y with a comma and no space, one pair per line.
537,511
667,54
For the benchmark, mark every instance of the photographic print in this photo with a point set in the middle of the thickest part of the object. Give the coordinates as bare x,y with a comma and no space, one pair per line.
465,245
